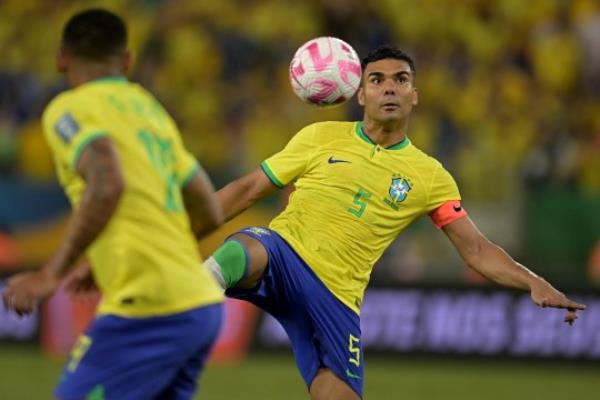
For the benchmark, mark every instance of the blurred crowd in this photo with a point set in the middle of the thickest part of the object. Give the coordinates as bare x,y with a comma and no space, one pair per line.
509,89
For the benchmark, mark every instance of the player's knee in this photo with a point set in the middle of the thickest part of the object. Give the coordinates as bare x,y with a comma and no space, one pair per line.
257,259
239,262
328,386
229,263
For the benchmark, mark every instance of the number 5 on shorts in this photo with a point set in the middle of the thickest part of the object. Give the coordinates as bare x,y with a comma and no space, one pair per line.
354,350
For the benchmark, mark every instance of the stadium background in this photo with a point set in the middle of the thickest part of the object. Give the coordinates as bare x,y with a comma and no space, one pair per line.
509,102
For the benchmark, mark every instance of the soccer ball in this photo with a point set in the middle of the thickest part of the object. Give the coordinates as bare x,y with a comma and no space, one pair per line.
325,71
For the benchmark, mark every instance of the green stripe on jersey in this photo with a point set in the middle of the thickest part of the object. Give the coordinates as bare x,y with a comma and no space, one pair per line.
89,139
361,133
111,79
271,175
190,175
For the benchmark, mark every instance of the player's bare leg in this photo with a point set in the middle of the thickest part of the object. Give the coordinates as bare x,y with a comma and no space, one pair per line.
327,386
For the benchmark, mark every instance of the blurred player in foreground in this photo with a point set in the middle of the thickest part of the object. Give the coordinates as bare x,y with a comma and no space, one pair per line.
358,185
121,161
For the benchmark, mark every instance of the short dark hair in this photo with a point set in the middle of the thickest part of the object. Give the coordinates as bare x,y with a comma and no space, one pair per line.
388,51
95,34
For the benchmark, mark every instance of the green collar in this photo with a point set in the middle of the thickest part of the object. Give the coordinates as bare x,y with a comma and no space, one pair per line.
361,133
111,79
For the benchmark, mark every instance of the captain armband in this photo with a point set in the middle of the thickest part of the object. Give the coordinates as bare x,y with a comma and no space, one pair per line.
448,212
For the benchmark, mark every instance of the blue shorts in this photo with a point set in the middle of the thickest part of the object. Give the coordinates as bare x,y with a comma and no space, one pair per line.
324,332
141,358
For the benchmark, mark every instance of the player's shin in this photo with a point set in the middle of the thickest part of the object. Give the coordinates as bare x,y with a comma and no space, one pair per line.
228,264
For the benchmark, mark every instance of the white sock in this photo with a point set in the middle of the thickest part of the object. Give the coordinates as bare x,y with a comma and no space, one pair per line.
215,269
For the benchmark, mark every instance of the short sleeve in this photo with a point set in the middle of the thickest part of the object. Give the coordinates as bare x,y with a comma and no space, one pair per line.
443,189
69,127
187,166
291,162
443,205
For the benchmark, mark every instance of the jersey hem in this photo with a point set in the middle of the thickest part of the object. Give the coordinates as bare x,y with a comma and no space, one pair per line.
157,312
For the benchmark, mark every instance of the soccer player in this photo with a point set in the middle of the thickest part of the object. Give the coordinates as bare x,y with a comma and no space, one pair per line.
358,185
138,199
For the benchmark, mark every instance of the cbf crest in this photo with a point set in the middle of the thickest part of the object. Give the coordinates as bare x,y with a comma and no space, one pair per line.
398,191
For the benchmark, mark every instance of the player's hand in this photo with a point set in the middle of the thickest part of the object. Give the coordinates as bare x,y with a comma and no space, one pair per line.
80,284
545,295
25,290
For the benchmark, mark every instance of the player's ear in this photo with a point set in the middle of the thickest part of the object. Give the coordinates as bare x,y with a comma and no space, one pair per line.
415,97
360,95
126,61
61,61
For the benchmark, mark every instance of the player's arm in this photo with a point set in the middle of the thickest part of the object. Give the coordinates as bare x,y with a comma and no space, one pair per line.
100,168
494,263
201,204
242,193
275,172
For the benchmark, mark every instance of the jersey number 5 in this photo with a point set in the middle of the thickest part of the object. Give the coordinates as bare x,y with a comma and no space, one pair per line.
162,157
360,198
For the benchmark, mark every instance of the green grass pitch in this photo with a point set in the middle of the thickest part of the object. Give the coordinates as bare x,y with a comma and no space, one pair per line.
26,374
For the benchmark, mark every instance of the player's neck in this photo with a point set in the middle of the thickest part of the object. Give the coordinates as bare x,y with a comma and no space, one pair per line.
87,72
385,135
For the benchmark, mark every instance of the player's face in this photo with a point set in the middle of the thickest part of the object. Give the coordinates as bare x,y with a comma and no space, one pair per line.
387,92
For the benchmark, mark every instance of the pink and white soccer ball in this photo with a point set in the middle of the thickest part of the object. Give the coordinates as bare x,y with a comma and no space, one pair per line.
325,71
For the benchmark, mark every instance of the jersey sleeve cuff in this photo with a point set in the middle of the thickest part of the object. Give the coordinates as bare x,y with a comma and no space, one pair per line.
448,212
188,177
265,167
81,146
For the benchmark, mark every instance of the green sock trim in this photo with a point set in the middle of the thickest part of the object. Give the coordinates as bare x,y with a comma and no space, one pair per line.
96,394
233,260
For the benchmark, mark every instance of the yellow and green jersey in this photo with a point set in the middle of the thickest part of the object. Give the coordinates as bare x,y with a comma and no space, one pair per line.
146,261
352,198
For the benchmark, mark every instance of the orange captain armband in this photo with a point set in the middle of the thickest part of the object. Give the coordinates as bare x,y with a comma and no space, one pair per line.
448,212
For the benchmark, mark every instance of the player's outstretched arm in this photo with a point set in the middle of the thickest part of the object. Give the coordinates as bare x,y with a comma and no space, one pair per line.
100,168
242,193
494,263
202,205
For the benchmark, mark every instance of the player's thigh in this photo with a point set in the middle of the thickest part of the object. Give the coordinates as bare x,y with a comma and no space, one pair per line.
257,259
328,386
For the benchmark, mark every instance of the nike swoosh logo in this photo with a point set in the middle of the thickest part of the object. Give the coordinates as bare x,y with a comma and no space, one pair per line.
333,160
349,374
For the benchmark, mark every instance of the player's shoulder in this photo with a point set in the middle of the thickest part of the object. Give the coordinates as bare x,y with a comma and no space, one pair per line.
417,155
60,104
75,98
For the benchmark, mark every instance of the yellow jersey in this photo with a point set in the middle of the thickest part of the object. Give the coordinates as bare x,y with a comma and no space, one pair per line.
146,261
352,199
